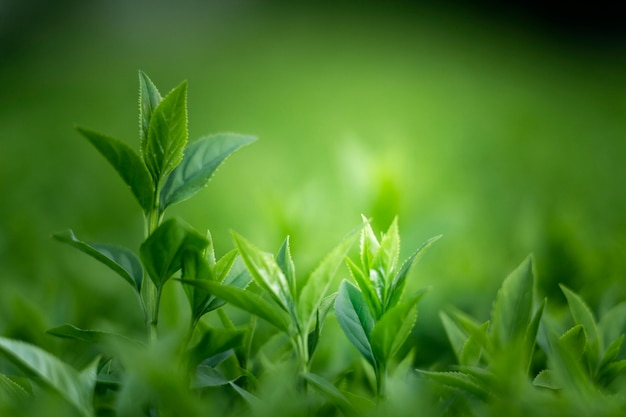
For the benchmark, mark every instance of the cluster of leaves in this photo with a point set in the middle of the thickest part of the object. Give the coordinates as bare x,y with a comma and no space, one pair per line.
524,360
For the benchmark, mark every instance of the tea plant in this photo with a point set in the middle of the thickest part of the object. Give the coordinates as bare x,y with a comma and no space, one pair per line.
373,315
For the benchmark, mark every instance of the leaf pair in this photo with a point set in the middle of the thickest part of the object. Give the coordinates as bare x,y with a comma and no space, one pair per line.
166,171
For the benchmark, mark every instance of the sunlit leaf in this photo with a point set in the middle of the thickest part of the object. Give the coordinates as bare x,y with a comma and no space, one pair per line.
199,163
149,99
167,134
121,260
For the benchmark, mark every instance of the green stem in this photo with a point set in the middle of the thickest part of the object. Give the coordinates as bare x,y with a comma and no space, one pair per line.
149,293
381,382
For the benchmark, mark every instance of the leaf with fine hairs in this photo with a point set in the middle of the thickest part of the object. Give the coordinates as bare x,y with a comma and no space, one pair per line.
199,163
149,99
121,260
75,387
167,134
127,163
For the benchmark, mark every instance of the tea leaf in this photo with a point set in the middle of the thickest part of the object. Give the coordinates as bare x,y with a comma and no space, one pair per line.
367,289
149,99
457,380
10,391
355,319
195,266
265,272
612,352
167,134
75,387
530,339
393,328
247,301
121,260
583,316
237,277
127,163
207,376
397,286
326,388
214,341
613,323
456,336
546,379
386,257
162,252
285,262
474,346
513,305
321,279
70,331
368,245
201,160
575,341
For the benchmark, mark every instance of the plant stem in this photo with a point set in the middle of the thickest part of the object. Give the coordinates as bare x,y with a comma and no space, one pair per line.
381,382
149,293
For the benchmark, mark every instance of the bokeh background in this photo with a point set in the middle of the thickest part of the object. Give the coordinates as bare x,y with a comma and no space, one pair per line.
501,127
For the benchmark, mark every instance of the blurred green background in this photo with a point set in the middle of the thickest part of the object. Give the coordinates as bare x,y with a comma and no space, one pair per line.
502,130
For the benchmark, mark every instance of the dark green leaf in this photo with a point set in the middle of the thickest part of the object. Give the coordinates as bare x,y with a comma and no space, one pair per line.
530,339
214,341
320,317
10,391
69,331
248,301
149,99
195,266
75,387
393,328
162,252
355,319
201,160
167,134
238,277
513,306
121,260
613,323
127,163
612,352
367,289
207,376
546,379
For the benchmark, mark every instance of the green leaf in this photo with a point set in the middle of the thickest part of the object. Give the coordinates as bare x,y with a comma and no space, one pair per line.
162,252
564,361
530,339
149,99
513,306
215,341
207,376
238,277
265,272
613,323
69,331
201,160
223,267
546,379
458,380
167,134
127,163
386,257
11,391
247,301
195,266
327,389
285,262
367,289
355,319
474,346
321,280
75,387
397,285
575,341
612,352
121,260
393,328
368,245
320,316
456,336
583,316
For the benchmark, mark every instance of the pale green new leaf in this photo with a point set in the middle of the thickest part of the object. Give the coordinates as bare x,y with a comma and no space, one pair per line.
530,339
613,323
513,306
583,316
612,352
162,252
265,272
456,336
127,163
575,340
355,319
474,346
121,260
201,160
386,258
238,277
368,245
149,99
247,301
167,134
546,379
322,279
393,328
69,331
195,266
367,289
394,294
75,387
285,262
458,380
